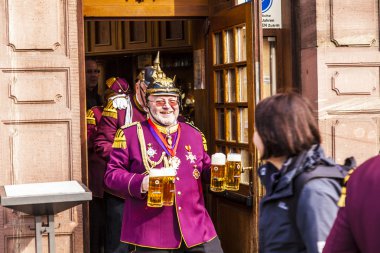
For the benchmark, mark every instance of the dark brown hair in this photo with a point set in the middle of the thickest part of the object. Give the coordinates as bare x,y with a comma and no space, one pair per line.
286,125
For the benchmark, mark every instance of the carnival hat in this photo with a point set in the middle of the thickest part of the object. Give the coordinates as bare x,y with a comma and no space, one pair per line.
158,83
118,85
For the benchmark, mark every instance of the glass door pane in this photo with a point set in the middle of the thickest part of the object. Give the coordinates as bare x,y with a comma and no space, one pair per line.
242,84
231,85
231,125
218,48
219,81
243,124
241,43
230,46
221,129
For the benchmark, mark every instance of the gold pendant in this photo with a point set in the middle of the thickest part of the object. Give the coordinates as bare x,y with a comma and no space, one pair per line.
169,140
196,173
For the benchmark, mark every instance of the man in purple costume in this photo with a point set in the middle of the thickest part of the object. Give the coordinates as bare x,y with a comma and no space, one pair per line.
162,141
357,225
122,108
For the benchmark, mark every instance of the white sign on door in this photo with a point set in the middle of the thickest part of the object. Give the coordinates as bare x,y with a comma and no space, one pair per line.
271,14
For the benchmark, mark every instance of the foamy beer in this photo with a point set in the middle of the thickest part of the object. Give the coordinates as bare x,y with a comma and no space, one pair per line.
155,192
233,171
168,186
218,168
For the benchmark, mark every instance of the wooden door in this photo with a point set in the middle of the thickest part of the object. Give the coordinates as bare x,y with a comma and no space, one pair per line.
340,74
40,112
234,61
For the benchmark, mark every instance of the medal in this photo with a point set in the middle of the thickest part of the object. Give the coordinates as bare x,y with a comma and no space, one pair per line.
174,162
190,156
150,151
196,173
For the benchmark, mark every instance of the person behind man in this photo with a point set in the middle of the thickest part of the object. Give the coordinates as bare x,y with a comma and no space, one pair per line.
287,137
96,169
162,141
92,76
122,108
357,226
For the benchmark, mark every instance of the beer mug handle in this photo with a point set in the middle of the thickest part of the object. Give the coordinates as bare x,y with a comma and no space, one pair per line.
243,169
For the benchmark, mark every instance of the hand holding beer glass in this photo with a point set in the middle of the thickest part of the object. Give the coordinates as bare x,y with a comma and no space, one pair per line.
161,187
218,168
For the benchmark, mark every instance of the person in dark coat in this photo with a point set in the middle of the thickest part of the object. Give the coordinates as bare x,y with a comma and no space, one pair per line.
288,139
96,169
357,226
92,76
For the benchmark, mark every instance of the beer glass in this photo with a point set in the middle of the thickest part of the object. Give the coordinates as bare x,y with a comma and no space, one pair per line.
233,171
168,186
155,192
218,168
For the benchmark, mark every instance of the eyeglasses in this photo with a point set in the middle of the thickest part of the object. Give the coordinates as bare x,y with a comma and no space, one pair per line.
162,102
90,71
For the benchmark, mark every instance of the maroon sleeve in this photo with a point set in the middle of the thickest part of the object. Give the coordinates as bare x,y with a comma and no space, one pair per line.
91,131
119,179
92,124
206,171
105,135
340,239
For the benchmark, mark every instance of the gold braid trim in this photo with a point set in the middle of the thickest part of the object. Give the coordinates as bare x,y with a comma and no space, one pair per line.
204,141
129,125
90,117
342,199
109,110
148,164
120,141
166,130
166,162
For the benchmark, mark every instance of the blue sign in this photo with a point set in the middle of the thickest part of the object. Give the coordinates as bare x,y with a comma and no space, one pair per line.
265,5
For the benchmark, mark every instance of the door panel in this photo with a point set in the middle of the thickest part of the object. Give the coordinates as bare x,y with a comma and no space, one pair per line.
340,74
234,53
39,113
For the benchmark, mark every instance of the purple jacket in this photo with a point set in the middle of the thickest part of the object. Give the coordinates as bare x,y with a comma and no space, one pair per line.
357,226
110,122
96,164
162,227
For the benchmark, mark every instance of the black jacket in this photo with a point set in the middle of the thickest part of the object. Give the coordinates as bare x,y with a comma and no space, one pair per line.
316,209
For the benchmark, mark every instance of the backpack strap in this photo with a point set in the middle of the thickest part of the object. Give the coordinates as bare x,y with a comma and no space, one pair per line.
336,172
